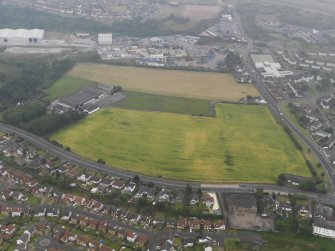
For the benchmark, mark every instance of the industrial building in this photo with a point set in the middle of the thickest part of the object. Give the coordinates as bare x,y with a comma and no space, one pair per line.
21,37
268,67
105,39
83,97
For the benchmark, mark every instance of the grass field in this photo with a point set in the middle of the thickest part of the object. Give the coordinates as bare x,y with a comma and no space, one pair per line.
150,102
327,6
291,242
243,143
203,85
283,242
66,86
259,58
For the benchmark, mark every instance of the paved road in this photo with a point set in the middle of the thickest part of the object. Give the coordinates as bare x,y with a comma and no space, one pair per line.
73,158
44,144
274,106
154,236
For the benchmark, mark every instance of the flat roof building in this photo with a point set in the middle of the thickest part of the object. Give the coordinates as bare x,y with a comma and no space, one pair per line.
21,36
81,98
324,228
105,39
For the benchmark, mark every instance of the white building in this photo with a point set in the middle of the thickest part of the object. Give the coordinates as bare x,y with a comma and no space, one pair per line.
105,39
323,228
272,70
21,37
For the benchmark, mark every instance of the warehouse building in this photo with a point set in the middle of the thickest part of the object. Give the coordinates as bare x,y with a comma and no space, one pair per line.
82,98
105,39
21,37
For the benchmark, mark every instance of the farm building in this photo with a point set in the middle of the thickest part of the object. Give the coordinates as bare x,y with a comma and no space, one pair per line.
21,36
81,98
105,39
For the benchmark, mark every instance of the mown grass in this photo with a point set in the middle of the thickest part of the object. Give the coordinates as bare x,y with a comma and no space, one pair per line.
286,241
66,86
203,85
150,102
243,143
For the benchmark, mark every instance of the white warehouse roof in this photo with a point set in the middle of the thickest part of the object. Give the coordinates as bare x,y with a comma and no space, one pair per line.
105,38
21,33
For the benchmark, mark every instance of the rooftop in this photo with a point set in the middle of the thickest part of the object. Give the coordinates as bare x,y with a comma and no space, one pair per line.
82,97
320,222
21,33
241,200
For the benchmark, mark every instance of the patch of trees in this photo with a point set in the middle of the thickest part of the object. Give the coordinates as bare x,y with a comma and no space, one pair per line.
311,168
248,12
316,185
295,141
52,122
19,115
116,89
312,185
30,19
35,75
231,61
177,19
325,84
300,116
101,161
138,27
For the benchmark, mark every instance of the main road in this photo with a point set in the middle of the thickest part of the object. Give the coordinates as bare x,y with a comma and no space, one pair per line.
114,171
76,159
274,105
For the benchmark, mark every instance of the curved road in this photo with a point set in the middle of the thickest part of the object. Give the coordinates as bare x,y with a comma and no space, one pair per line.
68,156
273,105
73,158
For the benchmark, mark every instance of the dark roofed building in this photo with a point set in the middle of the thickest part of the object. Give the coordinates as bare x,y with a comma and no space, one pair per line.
81,98
241,204
324,228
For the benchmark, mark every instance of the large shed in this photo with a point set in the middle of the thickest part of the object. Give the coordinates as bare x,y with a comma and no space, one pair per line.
21,36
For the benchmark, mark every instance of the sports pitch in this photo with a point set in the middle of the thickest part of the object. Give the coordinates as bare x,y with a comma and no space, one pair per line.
203,85
242,144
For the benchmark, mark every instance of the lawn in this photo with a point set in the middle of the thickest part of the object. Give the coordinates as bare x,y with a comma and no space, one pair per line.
260,58
66,86
150,102
232,244
203,85
243,143
286,241
316,5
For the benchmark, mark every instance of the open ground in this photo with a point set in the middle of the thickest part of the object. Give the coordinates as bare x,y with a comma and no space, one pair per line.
203,85
327,6
242,144
159,103
66,86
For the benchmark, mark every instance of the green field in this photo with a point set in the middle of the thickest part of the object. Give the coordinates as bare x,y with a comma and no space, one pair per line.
243,143
150,102
259,58
291,242
190,84
66,86
283,242
327,6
